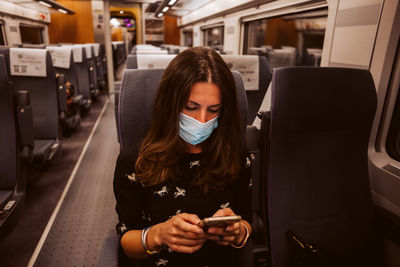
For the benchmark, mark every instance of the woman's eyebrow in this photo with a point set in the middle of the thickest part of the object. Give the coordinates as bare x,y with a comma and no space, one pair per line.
193,102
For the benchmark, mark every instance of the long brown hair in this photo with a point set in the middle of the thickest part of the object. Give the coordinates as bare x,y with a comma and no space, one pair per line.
162,147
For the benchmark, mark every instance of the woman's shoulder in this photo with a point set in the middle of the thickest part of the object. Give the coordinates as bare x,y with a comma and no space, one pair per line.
128,156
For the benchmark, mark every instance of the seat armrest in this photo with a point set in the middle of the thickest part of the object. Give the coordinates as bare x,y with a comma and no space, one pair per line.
109,251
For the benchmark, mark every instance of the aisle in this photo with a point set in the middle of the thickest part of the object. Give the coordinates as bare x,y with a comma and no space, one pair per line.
86,216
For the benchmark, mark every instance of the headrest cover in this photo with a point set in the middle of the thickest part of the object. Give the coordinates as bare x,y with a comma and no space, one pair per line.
76,52
28,62
153,61
248,66
152,52
88,48
61,56
96,48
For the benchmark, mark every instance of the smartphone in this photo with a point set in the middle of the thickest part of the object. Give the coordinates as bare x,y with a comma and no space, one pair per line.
218,221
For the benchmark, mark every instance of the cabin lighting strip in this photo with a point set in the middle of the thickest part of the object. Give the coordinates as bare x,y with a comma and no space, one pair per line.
164,7
57,6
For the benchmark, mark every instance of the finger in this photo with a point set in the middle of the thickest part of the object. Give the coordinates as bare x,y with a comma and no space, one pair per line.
233,227
223,212
185,223
216,231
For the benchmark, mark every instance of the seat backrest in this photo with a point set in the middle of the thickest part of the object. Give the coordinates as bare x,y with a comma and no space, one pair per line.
256,74
82,68
148,61
43,94
8,139
318,183
63,63
136,100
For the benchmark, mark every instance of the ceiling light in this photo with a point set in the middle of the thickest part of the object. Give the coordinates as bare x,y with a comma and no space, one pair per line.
159,15
44,3
62,11
121,12
165,9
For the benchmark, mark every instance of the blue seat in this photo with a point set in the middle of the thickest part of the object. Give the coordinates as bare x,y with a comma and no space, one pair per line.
318,182
44,100
15,150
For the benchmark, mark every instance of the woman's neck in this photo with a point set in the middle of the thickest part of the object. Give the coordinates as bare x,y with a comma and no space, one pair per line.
193,149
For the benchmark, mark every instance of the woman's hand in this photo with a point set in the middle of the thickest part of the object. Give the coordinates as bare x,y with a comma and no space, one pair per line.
231,234
180,233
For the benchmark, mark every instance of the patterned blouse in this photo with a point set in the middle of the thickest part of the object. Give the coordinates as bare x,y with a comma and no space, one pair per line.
139,206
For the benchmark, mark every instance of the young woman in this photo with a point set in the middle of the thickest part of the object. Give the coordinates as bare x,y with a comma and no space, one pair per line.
191,165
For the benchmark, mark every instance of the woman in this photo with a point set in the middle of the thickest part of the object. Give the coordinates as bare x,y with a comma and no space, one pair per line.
190,165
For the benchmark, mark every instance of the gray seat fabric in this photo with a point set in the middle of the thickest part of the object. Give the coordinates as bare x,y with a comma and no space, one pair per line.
43,97
12,180
318,163
109,252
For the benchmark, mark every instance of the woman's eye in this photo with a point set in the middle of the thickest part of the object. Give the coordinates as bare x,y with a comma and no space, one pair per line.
191,108
214,111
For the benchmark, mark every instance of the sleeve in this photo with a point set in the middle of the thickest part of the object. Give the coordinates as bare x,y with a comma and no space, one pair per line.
243,190
128,194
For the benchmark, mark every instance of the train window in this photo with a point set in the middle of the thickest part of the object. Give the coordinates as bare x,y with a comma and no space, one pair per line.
2,34
287,40
188,38
393,137
31,34
214,37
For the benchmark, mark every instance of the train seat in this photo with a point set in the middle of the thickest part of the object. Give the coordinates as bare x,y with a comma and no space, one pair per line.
92,68
16,149
256,76
148,61
82,71
98,60
63,64
136,99
318,181
39,79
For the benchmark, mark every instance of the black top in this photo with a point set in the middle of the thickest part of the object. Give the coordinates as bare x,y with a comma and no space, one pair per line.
139,206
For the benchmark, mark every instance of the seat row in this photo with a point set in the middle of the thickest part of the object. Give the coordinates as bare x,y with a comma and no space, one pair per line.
311,196
44,92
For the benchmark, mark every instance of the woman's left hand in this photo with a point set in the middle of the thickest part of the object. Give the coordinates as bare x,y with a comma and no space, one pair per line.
233,233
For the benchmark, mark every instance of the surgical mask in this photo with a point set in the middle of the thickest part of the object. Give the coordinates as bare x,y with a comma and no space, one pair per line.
193,131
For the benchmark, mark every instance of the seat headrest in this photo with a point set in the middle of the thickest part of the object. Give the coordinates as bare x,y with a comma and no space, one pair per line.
153,61
248,66
76,52
88,48
28,62
61,56
96,48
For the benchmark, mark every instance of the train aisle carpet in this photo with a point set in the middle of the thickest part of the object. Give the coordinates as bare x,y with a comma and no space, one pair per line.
44,190
87,214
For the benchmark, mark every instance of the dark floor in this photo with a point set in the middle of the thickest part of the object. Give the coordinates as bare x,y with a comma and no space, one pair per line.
44,189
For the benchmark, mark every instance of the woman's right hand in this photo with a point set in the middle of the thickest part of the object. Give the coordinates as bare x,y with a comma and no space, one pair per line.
181,233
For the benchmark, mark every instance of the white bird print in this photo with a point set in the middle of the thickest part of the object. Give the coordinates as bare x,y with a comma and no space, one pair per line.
224,206
162,262
132,177
180,192
194,163
162,192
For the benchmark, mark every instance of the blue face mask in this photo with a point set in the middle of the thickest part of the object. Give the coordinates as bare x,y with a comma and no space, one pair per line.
193,131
